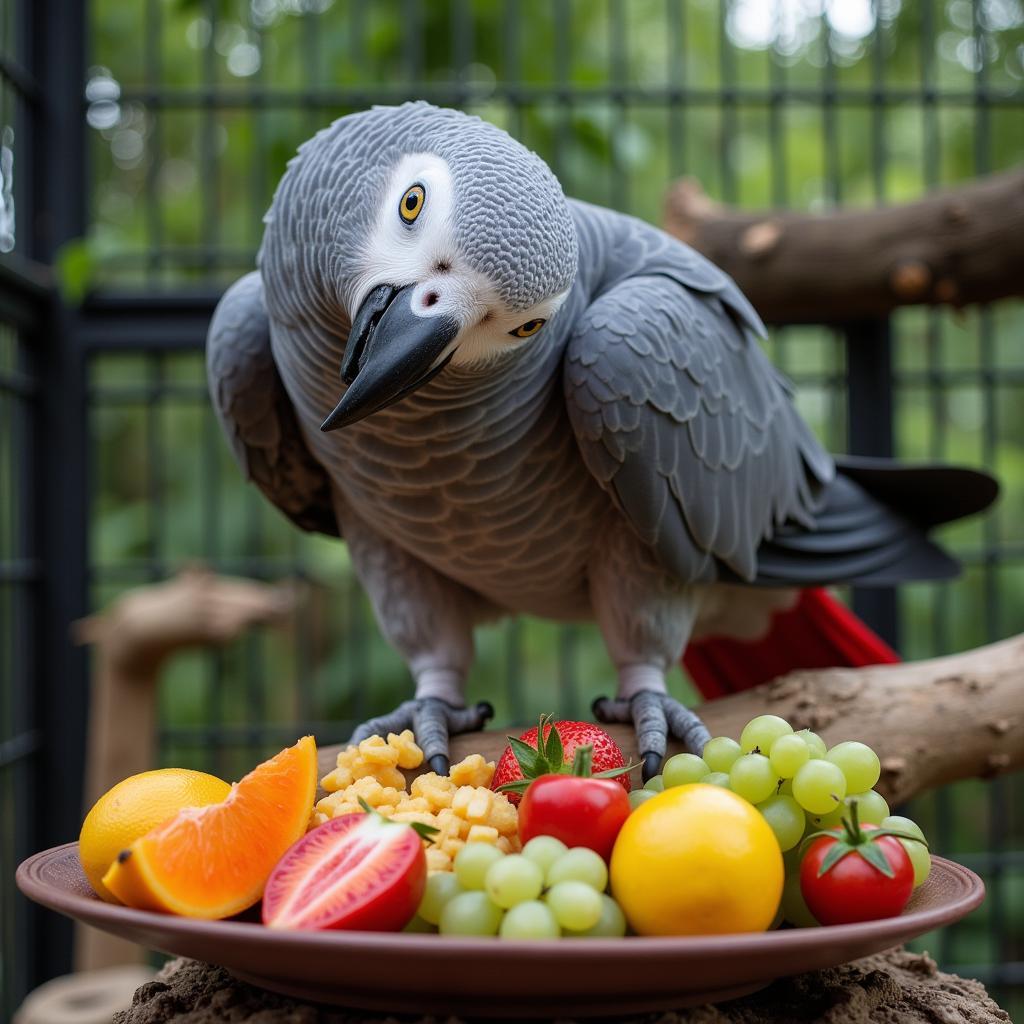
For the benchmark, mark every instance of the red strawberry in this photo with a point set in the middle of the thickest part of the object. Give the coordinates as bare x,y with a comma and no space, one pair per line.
540,758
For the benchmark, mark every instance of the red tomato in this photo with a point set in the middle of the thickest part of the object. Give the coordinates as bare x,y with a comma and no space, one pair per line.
852,889
358,872
579,810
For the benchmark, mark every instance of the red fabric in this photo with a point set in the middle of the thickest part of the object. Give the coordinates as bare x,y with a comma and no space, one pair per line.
818,632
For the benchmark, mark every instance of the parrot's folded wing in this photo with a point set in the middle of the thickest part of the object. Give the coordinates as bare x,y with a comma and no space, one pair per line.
256,413
681,417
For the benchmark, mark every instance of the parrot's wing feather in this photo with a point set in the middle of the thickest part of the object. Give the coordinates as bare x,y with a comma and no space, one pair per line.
256,413
682,418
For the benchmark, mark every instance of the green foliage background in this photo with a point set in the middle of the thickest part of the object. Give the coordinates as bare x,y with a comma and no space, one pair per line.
196,106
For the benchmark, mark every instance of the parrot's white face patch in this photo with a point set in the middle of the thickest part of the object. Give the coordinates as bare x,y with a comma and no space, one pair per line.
423,252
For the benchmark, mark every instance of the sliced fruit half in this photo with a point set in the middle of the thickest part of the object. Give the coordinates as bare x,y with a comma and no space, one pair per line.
357,872
213,862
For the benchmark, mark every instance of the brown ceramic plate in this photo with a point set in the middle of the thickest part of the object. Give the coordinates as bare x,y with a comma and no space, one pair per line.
431,974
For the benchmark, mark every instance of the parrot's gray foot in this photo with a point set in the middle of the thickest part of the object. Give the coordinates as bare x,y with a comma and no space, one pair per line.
432,721
655,716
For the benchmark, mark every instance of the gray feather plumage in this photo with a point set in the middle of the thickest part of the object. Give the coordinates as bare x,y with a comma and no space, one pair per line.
255,413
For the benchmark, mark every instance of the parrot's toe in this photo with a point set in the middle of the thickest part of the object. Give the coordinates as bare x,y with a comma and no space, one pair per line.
432,721
651,765
655,717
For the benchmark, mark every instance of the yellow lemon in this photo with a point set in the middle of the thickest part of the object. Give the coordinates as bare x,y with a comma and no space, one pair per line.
697,860
133,807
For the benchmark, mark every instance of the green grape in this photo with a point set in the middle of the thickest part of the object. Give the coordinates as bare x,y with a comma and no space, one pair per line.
814,742
788,754
901,824
472,863
830,819
582,865
513,879
786,787
440,888
418,924
638,797
716,779
819,786
920,859
720,752
682,769
752,778
470,913
655,785
794,906
545,850
575,904
786,818
530,920
610,925
791,860
760,733
871,806
858,762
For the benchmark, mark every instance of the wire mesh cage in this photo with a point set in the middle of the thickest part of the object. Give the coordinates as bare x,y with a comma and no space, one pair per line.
187,111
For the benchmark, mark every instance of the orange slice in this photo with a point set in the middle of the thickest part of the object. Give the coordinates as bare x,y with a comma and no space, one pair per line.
214,861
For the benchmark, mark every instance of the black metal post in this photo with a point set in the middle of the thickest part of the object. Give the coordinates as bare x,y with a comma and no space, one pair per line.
61,496
870,432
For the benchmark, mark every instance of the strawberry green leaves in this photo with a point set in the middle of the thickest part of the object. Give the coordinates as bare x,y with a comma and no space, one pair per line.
548,758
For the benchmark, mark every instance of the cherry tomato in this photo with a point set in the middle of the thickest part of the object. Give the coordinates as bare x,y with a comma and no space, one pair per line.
852,889
579,810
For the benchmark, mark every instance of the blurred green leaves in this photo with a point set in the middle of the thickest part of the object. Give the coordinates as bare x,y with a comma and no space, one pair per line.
74,268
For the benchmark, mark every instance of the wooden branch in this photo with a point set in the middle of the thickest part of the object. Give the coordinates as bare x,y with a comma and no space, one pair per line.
194,608
931,722
955,247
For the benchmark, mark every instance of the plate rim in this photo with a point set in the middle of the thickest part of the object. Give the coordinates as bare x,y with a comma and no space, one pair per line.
736,943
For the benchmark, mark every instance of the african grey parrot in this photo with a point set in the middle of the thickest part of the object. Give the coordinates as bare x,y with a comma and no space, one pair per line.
547,408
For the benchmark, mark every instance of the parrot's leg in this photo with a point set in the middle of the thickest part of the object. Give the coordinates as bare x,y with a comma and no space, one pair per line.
646,618
429,620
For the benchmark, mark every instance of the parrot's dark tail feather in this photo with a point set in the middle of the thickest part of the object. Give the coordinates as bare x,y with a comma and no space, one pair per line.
818,632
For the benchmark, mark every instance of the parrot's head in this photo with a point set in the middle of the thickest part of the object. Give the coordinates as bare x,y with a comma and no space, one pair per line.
468,248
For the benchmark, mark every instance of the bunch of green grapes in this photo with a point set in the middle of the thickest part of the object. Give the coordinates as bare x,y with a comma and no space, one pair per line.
799,785
545,892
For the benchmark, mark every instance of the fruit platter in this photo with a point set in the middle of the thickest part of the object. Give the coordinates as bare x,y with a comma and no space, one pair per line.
352,876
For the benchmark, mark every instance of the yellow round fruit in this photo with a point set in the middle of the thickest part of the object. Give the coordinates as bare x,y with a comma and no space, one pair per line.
133,807
697,860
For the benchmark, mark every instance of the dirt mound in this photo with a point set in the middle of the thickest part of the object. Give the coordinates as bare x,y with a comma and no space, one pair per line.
897,987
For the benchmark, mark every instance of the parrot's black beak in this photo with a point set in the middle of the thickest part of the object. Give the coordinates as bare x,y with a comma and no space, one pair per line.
391,351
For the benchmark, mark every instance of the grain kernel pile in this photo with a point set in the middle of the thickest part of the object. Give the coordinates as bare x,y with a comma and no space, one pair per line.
461,806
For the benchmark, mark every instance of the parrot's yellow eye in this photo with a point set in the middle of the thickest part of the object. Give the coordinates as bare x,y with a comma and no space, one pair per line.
530,327
412,203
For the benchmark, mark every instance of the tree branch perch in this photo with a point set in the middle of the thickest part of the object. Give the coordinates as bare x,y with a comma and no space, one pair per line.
931,722
953,247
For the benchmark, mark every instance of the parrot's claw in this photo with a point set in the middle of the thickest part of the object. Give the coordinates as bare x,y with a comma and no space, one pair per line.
432,721
651,764
655,716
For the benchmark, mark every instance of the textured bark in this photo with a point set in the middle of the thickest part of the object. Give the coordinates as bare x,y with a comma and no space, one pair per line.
897,986
931,722
954,247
